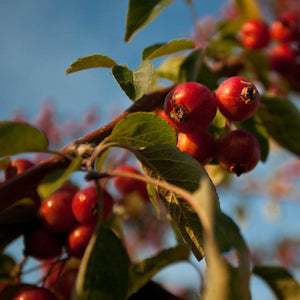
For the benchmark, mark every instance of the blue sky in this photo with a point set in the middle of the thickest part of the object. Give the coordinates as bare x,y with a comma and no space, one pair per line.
40,39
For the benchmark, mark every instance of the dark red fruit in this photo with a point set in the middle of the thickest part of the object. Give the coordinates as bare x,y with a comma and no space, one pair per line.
237,98
66,282
56,212
127,185
85,206
42,244
254,34
238,151
282,58
34,293
200,145
190,106
16,167
285,29
78,239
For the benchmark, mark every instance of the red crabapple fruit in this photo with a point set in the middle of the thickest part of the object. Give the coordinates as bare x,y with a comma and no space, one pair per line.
34,293
16,167
190,106
85,205
200,145
237,98
238,151
254,34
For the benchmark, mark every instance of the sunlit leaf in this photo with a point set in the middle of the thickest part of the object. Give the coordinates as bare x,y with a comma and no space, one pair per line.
249,9
134,83
141,272
281,119
143,129
158,50
91,61
18,137
170,67
103,273
280,281
55,180
142,12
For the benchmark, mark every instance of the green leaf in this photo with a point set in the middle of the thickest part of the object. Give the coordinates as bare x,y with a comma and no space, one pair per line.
21,137
91,61
6,266
55,180
281,119
158,50
249,9
103,273
142,129
218,126
153,198
141,272
168,163
280,281
142,12
194,69
256,127
134,83
169,69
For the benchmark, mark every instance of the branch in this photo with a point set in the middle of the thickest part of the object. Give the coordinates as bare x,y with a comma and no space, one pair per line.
25,184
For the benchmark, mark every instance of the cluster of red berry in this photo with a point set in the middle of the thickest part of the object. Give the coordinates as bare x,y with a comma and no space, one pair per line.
63,227
284,52
191,107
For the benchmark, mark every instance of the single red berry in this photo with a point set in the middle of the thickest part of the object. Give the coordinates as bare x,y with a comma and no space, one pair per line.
85,205
238,151
237,98
190,106
254,34
16,167
42,244
285,29
282,58
34,293
78,240
200,145
161,112
127,185
56,212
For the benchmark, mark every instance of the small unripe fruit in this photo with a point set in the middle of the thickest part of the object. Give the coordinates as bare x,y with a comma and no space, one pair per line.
42,244
78,240
56,212
282,58
85,205
16,167
126,185
254,34
285,28
238,151
34,293
200,145
190,106
237,98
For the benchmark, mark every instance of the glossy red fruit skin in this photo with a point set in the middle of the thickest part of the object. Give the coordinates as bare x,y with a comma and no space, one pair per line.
42,244
282,58
237,98
285,29
127,185
255,34
56,212
34,293
78,240
16,167
190,106
200,145
238,151
85,206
